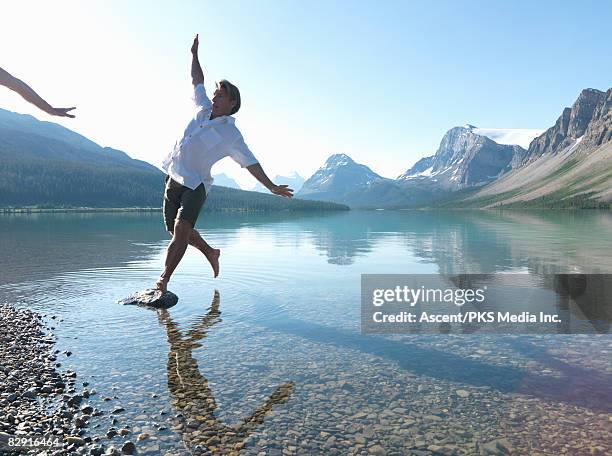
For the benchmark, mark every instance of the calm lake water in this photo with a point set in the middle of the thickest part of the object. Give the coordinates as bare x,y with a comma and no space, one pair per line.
269,358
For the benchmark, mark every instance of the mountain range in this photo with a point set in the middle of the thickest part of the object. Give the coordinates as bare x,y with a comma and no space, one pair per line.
568,165
225,181
294,181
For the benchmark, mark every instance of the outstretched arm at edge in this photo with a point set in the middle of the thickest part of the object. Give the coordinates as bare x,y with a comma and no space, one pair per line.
197,75
257,171
17,85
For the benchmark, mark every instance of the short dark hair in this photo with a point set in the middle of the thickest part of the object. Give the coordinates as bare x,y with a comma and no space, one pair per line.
233,93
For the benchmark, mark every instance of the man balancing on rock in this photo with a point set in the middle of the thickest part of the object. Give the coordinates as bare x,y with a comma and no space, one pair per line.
210,136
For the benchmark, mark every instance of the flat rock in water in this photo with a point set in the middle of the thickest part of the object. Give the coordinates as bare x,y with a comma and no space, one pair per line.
151,298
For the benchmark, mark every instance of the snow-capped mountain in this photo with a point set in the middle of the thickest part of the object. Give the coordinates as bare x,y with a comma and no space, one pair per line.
464,159
339,176
223,180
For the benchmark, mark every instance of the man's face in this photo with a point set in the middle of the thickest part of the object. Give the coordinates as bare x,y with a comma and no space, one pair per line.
222,105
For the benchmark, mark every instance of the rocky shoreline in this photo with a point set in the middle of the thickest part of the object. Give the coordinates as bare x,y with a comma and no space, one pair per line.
43,409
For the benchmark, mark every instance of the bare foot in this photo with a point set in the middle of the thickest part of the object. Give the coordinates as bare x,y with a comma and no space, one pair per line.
161,284
213,259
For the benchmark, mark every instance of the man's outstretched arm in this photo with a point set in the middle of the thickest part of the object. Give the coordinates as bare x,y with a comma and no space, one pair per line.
257,171
197,75
17,85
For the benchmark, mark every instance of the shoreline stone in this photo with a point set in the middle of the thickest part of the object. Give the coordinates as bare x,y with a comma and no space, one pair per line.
151,297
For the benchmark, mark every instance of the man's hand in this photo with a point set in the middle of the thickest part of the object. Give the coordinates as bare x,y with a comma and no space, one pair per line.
194,46
282,190
17,85
258,173
197,75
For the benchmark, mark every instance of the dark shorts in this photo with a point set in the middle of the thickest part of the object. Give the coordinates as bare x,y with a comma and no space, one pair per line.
182,203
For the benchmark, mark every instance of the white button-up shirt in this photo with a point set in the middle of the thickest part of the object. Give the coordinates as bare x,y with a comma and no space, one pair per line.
204,143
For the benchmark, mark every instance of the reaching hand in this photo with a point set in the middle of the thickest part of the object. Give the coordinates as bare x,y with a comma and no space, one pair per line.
62,112
282,190
194,46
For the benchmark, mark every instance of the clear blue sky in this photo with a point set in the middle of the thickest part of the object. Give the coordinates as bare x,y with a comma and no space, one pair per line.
381,82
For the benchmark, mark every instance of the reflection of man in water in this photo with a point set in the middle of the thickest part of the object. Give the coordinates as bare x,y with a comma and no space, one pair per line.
17,85
192,397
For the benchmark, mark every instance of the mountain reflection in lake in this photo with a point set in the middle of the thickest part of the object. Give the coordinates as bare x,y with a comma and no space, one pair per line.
287,368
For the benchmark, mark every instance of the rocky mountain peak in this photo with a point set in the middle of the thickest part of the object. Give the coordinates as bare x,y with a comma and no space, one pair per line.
339,175
464,159
339,160
599,130
459,135
455,145
571,125
582,111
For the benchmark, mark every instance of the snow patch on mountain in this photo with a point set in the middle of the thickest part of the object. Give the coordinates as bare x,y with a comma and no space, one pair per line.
510,136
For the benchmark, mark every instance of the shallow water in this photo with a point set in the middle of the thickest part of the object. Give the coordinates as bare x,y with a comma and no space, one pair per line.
269,356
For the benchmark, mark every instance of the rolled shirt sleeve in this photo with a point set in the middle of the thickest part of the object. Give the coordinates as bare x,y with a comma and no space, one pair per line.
200,98
241,153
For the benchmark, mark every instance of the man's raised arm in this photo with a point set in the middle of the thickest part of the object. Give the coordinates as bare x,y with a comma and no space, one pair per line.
197,75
